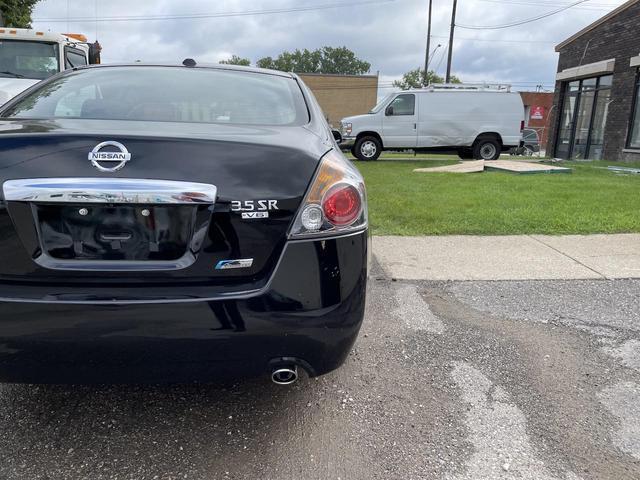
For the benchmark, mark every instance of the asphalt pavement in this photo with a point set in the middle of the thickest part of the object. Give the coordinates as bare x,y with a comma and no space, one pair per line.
448,380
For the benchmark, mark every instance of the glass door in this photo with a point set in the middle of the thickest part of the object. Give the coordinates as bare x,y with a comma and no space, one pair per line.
582,125
583,118
600,114
563,146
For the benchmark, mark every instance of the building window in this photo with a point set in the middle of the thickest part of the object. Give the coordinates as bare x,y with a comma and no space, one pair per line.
634,137
583,118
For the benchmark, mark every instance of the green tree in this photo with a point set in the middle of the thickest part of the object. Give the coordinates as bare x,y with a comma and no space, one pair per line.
342,60
236,60
305,61
338,60
16,13
415,79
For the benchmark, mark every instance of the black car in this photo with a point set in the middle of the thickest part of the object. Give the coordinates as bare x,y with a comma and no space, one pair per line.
175,224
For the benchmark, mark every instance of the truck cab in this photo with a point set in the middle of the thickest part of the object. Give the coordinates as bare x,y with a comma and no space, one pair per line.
29,56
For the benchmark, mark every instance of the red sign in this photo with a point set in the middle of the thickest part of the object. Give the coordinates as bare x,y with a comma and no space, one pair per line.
537,113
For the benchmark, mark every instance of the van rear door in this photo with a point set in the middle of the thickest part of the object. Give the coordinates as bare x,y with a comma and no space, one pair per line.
400,122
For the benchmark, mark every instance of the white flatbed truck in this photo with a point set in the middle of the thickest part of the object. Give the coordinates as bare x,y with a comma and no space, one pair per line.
28,56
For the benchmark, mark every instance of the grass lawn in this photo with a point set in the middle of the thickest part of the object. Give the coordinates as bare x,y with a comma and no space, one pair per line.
589,200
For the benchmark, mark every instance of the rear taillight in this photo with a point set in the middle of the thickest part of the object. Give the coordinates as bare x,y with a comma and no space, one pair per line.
522,126
341,204
335,202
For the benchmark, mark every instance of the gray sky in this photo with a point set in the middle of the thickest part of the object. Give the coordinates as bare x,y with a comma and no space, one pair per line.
390,34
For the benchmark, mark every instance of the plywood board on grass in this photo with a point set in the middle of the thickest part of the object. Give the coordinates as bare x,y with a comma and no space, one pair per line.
524,167
462,167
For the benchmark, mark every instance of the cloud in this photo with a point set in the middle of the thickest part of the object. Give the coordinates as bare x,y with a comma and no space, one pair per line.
391,36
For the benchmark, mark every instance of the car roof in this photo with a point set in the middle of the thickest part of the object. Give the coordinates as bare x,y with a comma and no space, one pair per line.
211,66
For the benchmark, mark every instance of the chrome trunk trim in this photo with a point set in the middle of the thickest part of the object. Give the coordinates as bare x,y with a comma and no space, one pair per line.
112,190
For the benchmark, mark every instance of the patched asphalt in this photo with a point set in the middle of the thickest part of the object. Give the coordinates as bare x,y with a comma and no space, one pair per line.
448,380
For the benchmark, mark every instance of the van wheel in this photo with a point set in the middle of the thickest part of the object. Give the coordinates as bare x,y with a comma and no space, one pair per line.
368,148
465,153
487,149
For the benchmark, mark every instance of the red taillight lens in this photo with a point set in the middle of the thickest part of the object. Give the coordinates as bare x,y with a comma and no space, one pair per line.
336,201
342,204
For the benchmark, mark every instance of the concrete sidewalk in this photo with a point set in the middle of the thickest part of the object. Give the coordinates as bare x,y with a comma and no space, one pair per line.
515,257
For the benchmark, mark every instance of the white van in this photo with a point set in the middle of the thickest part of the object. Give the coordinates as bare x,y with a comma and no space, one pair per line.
476,121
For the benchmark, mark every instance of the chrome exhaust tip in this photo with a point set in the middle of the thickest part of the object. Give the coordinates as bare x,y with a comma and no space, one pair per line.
284,375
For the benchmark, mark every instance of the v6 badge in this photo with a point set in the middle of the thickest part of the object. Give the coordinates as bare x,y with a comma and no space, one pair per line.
249,215
254,209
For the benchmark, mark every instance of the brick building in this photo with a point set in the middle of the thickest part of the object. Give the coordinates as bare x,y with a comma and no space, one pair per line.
343,95
596,110
537,113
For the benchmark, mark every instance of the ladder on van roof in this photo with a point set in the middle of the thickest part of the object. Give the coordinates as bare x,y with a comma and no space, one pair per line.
478,87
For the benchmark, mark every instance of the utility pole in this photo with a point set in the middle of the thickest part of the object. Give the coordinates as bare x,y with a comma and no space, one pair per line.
453,26
425,81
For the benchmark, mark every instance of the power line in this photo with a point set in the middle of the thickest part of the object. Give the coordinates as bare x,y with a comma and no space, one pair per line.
552,2
521,22
135,18
591,6
492,40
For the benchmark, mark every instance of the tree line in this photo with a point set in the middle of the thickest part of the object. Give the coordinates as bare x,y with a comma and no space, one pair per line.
336,60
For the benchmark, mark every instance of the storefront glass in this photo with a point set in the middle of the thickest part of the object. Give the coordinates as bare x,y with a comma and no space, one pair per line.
634,134
583,118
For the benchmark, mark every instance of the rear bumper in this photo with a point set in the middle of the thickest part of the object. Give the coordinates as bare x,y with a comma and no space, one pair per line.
510,142
311,311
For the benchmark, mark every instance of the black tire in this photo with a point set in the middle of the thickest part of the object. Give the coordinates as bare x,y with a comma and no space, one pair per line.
465,153
487,148
353,151
367,149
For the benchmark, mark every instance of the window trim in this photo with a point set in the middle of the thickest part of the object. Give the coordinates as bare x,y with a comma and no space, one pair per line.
401,114
633,119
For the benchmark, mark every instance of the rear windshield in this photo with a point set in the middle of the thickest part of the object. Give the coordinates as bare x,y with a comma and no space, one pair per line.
167,94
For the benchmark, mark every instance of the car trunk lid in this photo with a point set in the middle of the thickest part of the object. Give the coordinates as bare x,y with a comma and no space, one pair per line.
259,177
